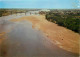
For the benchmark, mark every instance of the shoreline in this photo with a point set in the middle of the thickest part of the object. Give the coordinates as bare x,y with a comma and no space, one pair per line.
64,38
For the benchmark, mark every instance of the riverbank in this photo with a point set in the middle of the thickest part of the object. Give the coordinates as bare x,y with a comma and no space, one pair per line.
62,37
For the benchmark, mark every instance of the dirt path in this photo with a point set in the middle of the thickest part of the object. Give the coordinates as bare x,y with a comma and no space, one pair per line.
62,37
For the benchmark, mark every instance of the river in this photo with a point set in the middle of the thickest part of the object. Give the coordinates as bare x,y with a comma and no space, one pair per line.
24,41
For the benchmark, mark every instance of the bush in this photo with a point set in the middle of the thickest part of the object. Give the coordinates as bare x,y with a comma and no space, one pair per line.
67,20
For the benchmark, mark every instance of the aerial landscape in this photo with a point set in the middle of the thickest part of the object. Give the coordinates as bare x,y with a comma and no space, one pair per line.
39,28
39,32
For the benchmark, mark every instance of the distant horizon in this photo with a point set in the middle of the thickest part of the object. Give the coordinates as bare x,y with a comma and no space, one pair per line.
40,8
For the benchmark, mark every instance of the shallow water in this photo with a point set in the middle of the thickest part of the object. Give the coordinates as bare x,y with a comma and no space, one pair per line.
24,41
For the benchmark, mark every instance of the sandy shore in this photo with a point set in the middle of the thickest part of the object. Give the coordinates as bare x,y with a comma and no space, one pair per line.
62,37
2,37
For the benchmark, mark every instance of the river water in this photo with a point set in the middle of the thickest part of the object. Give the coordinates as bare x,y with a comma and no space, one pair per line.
24,41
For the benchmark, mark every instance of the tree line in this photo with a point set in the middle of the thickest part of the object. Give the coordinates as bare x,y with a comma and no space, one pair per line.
69,19
5,12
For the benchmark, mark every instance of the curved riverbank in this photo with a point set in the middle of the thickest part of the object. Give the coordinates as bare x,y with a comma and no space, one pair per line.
64,38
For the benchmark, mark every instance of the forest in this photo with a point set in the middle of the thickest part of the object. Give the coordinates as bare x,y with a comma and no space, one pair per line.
66,18
6,12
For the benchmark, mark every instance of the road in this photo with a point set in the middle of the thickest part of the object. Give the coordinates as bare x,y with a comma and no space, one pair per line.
23,41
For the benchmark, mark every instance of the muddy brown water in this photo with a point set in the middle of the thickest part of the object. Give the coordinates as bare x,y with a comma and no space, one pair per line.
24,41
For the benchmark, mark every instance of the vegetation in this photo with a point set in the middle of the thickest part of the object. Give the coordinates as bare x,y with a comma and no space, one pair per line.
67,18
5,12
